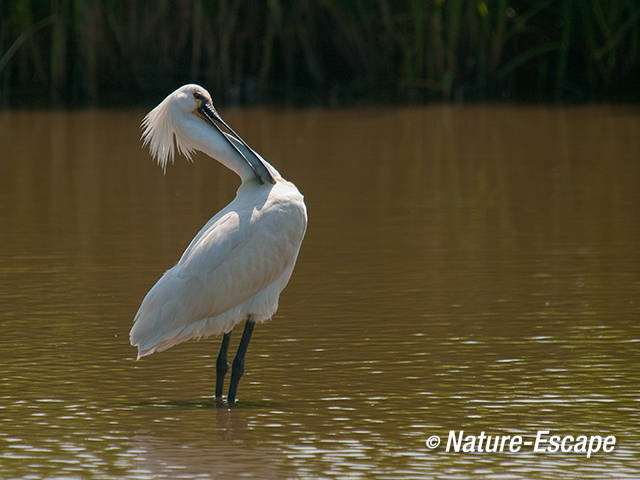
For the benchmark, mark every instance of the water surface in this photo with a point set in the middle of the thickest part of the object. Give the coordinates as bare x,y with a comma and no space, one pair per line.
473,268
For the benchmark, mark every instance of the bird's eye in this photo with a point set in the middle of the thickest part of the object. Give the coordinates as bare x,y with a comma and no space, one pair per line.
198,96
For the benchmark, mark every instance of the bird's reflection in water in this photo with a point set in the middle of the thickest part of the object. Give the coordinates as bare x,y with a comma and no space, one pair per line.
224,446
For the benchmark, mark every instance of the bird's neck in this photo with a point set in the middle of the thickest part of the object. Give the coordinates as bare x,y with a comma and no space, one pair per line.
220,149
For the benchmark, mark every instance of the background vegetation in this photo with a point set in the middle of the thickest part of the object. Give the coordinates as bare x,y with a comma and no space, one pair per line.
319,51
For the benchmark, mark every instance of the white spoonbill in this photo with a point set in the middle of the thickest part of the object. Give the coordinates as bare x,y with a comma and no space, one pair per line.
239,262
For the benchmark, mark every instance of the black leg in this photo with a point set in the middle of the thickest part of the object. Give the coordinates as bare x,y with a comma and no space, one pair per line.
221,364
238,362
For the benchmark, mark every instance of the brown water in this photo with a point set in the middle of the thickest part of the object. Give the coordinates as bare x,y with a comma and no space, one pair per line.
465,268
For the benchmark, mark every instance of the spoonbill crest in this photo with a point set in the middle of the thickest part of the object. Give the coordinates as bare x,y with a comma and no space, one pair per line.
236,266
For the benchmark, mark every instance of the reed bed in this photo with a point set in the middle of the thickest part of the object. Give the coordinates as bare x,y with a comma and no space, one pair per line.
70,52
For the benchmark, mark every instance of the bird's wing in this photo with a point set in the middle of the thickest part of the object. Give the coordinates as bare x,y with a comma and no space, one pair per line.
236,255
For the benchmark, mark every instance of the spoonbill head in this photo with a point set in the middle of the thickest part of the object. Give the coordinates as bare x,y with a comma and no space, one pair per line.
180,116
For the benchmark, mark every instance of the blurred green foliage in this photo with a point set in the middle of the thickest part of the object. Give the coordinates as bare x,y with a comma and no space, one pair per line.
64,52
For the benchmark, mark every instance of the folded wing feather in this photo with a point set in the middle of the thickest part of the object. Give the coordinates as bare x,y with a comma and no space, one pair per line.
237,254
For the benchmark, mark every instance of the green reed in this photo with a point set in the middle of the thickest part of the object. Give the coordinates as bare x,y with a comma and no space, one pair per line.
319,51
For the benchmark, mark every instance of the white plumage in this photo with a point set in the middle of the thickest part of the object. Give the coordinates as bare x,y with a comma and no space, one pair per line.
239,262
